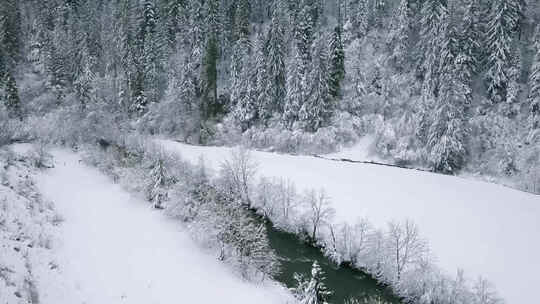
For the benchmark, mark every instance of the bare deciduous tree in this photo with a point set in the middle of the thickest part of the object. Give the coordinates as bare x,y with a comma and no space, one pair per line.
404,244
239,170
319,211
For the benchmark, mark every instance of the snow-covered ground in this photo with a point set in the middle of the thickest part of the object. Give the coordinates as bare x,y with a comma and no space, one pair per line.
113,248
26,231
483,228
363,150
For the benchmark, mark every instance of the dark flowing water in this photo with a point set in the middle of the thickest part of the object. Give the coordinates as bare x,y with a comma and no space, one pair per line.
297,257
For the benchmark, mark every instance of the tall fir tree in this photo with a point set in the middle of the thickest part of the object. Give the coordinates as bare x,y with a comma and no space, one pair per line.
319,107
304,33
534,85
447,134
11,98
297,88
502,22
12,34
433,28
362,18
275,50
470,38
398,41
210,105
337,63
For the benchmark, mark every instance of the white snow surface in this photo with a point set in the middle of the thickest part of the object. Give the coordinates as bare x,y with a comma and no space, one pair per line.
485,229
363,150
114,248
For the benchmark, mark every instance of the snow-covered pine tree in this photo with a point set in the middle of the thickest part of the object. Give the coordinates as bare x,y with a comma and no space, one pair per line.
312,291
255,248
362,18
534,86
262,80
157,192
337,63
448,132
11,96
175,15
243,13
470,37
241,82
432,35
153,50
304,33
398,41
511,107
210,106
499,36
254,81
275,49
3,64
318,109
12,43
85,77
297,88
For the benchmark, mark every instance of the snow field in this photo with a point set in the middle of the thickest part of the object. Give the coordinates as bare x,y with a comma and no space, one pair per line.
115,249
485,229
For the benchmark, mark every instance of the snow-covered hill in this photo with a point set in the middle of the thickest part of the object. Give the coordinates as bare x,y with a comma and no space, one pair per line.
483,228
111,247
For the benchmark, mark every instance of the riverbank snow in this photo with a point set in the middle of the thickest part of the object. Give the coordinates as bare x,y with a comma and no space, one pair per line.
483,228
114,248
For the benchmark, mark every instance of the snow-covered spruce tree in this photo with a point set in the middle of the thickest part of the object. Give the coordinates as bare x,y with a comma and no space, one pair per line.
337,63
470,38
256,251
319,107
534,86
448,131
11,96
12,33
275,50
156,191
83,84
153,55
240,71
312,291
176,12
245,110
432,35
3,55
297,89
242,239
210,106
359,18
502,23
304,33
398,41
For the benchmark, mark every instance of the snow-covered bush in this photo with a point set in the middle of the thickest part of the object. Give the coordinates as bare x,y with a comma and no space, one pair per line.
39,157
345,130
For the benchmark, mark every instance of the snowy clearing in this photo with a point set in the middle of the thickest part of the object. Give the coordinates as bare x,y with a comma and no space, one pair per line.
115,249
483,228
